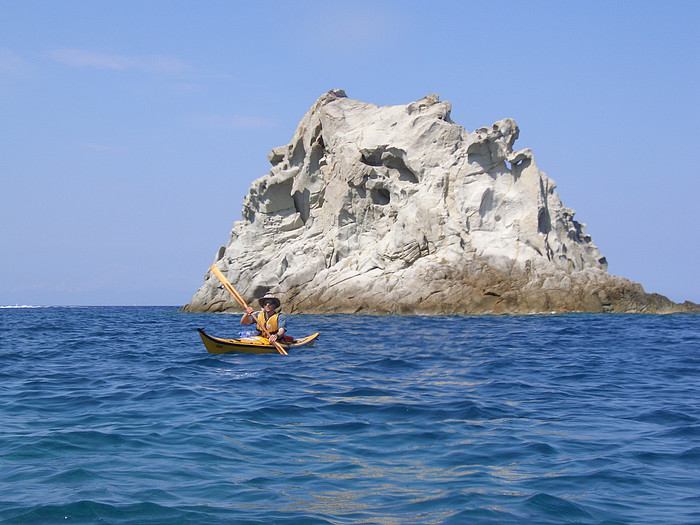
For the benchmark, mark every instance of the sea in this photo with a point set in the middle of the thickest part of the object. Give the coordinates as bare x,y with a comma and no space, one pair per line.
118,415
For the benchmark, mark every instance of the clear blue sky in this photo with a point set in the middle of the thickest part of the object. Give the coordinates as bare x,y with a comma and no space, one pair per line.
130,131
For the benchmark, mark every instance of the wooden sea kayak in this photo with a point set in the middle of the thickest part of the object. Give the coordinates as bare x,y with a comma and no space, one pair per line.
250,345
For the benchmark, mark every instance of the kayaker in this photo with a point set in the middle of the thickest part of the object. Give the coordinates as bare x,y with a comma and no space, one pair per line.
275,323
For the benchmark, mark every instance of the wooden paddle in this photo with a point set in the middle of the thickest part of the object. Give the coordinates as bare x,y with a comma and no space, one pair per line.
240,300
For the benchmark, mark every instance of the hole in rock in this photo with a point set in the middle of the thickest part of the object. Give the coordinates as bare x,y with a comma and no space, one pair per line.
381,196
261,291
372,158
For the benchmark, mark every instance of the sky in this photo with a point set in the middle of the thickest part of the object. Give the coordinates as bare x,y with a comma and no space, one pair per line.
130,131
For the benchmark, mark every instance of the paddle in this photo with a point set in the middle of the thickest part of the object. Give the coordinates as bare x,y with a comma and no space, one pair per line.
240,300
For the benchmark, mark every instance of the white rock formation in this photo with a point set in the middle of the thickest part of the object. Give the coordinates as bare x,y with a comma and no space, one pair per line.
397,209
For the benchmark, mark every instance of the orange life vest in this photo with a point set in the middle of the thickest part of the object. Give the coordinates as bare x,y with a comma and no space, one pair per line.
270,324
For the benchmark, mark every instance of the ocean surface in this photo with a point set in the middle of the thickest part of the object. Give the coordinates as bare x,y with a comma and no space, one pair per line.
119,415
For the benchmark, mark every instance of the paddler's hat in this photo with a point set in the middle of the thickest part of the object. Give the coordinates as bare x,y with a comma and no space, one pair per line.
269,297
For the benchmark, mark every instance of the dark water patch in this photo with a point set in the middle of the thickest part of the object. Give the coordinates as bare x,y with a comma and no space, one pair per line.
556,507
667,417
93,512
681,431
369,392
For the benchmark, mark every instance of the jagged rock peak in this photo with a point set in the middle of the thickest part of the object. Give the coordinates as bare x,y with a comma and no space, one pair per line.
397,209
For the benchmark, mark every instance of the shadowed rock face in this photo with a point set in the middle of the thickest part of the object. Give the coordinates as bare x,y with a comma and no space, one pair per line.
397,209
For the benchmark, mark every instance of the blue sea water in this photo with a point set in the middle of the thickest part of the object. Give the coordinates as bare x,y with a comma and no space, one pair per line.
119,415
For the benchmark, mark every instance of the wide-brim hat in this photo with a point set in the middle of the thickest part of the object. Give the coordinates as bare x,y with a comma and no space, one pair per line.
269,297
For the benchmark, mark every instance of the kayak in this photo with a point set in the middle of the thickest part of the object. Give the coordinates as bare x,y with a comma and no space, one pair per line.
250,345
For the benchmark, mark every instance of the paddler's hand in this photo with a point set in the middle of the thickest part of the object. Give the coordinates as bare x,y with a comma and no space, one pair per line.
275,337
249,311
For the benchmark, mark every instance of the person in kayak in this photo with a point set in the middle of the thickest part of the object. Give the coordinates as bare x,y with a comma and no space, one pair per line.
275,323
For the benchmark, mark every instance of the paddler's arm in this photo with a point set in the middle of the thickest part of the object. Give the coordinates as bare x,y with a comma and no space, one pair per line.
248,317
282,324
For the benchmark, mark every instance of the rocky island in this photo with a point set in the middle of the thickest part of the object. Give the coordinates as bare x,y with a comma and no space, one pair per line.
399,210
